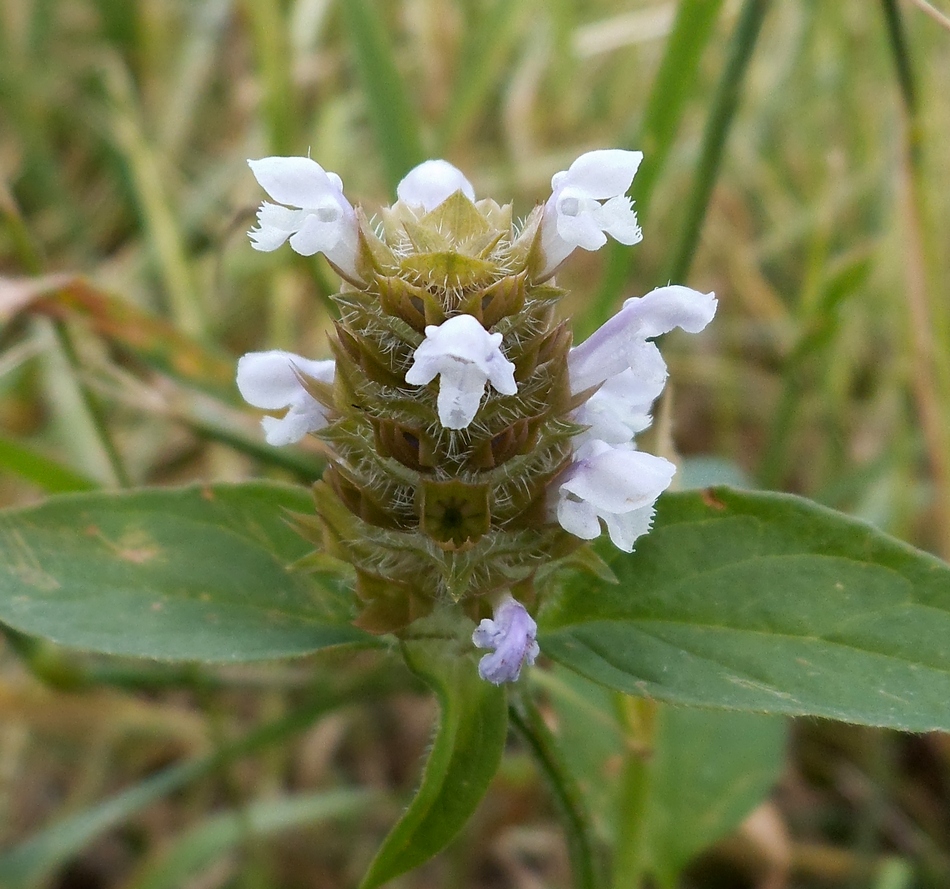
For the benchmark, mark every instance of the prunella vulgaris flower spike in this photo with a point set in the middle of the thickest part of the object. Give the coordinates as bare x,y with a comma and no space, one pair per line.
470,450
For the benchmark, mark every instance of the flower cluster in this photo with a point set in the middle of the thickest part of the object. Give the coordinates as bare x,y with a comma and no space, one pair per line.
471,447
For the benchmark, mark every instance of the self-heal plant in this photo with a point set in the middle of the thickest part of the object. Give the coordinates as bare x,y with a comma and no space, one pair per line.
473,457
471,450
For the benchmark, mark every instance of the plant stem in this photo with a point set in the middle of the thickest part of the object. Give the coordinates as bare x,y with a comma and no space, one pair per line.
630,857
529,723
929,328
717,129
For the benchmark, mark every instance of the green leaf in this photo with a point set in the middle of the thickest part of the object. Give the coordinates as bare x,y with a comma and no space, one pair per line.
393,116
202,845
705,772
465,755
664,782
197,573
765,602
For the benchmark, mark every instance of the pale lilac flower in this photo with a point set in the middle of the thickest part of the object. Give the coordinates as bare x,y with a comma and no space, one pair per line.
620,408
317,217
621,342
589,202
512,636
431,182
272,381
465,356
616,484
610,480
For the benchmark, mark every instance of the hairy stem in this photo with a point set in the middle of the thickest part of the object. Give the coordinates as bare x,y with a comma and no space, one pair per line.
530,725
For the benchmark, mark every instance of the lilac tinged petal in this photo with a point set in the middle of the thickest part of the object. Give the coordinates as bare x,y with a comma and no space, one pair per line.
465,356
512,635
620,409
577,222
270,379
618,485
618,220
578,518
292,427
617,480
501,372
431,182
461,386
325,221
274,225
316,236
617,344
672,306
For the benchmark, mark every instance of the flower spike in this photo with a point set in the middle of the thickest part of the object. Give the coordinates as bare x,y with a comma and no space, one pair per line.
317,218
465,356
574,215
442,493
512,637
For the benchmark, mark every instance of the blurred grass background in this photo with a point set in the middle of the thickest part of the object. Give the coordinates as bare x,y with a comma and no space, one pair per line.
797,163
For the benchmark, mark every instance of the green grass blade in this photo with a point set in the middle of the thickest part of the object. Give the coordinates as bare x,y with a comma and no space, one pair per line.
397,126
27,863
675,79
210,840
272,48
482,55
717,129
50,475
159,217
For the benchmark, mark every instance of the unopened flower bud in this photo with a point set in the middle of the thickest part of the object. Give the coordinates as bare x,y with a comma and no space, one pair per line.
511,635
430,183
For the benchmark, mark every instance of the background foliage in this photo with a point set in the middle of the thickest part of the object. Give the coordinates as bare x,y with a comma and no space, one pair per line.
796,164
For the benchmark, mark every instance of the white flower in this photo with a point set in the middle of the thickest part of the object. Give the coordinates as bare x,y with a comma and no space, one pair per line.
512,634
574,215
616,484
431,182
465,356
271,380
317,218
620,408
621,343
